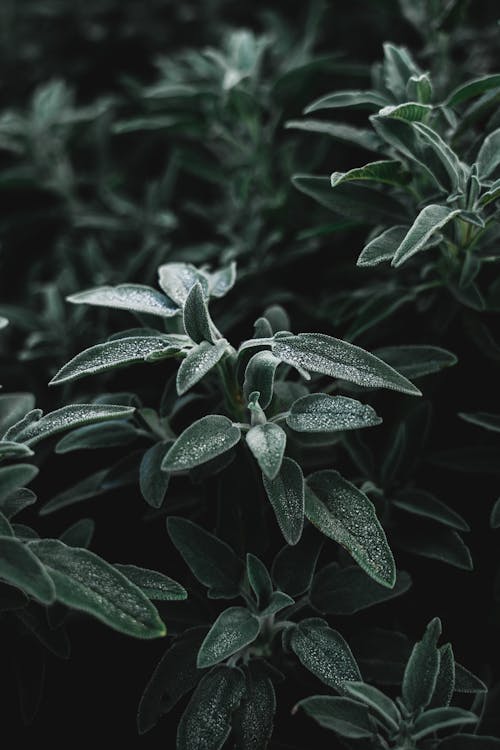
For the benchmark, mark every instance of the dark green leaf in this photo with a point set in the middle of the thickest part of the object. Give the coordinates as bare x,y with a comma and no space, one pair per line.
259,376
341,715
234,629
202,441
286,495
153,481
106,435
473,88
324,652
442,718
375,699
482,419
430,220
253,720
319,412
154,585
445,682
293,567
344,591
416,361
132,297
259,580
422,503
14,477
20,567
197,321
382,247
267,443
197,363
79,534
422,669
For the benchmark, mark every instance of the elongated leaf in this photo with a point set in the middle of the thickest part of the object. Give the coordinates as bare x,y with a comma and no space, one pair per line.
488,157
398,67
324,652
132,297
495,515
20,567
286,495
317,352
430,220
90,487
445,682
110,355
253,720
424,504
442,718
437,543
344,591
340,131
467,682
482,419
382,247
177,280
259,376
472,88
102,435
341,715
416,361
234,629
13,406
84,581
202,441
14,477
153,481
443,152
9,449
267,443
383,706
79,534
196,318
154,585
409,111
16,502
344,513
386,172
259,579
211,560
356,98
422,669
319,412
206,722
277,602
198,362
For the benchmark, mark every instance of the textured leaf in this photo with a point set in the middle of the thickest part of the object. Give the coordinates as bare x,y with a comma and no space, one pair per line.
344,513
416,361
267,443
340,131
202,441
430,220
211,560
234,629
221,281
102,435
9,449
324,652
409,111
253,720
14,477
375,699
153,584
467,682
382,247
317,352
84,581
177,280
259,376
365,99
89,487
196,318
197,363
445,682
422,503
473,88
442,718
259,579
386,172
79,534
277,602
286,495
20,567
488,157
132,297
344,591
17,501
153,481
438,544
422,669
341,715
13,406
206,722
449,160
110,355
319,412
398,67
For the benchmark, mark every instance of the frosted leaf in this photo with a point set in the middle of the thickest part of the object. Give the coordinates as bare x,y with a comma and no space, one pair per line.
382,247
324,652
344,591
221,281
20,567
286,495
13,406
234,629
344,513
196,318
132,297
203,440
154,585
177,280
14,477
338,714
83,581
319,412
153,482
111,354
206,722
197,363
259,376
422,669
430,220
253,720
317,352
10,449
267,443
73,415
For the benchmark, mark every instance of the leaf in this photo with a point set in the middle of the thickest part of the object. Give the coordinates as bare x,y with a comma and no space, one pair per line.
221,281
345,591
398,67
200,360
79,534
430,220
202,441
20,567
356,98
317,352
259,376
375,699
132,297
483,419
319,412
422,669
324,652
206,722
467,682
259,580
267,443
472,88
361,137
177,280
444,153
84,581
286,495
153,584
14,477
341,715
102,435
175,675
89,487
417,360
210,559
438,544
488,157
234,629
445,682
345,514
253,719
13,406
409,111
197,321
495,515
442,718
277,602
422,503
293,567
110,355
382,247
9,449
74,415
153,481
386,172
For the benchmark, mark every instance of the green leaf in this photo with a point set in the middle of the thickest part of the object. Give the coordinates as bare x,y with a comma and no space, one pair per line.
202,441
417,360
14,477
293,567
206,722
488,157
277,602
197,363
345,591
221,281
356,98
153,584
317,352
211,560
20,567
361,137
74,415
422,669
444,153
267,443
495,515
341,715
438,544
9,449
196,318
490,195
132,297
398,67
324,652
382,247
153,481
234,629
17,501
445,682
13,406
467,682
84,581
442,718
422,503
177,280
319,412
345,514
386,172
259,579
286,495
259,376
483,419
102,435
472,88
110,355
5,527
375,699
430,220
253,720
89,487
79,534
409,111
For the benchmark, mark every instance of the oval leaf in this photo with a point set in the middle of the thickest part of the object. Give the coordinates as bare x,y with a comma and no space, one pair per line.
202,441
132,297
234,629
319,412
324,652
267,443
286,495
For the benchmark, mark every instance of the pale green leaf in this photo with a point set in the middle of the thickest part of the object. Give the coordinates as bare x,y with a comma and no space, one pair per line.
202,441
430,220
